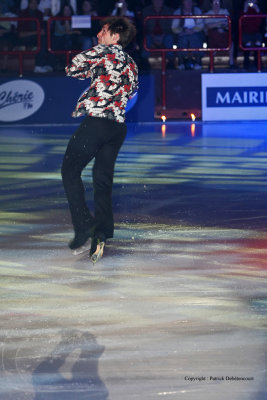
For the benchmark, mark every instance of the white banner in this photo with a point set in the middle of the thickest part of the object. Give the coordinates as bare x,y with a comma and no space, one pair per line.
228,97
80,21
19,99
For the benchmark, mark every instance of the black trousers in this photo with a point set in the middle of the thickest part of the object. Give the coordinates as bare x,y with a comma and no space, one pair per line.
99,139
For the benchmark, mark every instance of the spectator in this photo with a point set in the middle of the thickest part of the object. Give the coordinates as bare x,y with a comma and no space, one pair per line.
158,32
27,33
44,6
263,6
7,38
190,34
103,7
88,36
56,6
237,8
138,11
217,29
64,37
226,4
121,9
251,30
10,6
135,48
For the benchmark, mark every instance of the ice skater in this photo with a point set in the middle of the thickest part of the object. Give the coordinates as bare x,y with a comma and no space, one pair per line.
114,80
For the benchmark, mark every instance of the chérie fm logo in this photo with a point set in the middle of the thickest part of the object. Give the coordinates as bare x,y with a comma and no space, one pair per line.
19,99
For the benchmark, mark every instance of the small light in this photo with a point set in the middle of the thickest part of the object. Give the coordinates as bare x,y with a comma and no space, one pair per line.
163,117
193,117
174,46
263,44
193,130
163,130
205,45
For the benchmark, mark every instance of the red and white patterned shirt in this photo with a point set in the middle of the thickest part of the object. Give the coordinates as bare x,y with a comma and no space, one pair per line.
114,79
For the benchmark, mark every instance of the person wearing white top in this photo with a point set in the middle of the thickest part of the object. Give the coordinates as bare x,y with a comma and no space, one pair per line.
57,6
43,6
190,34
53,5
218,23
121,9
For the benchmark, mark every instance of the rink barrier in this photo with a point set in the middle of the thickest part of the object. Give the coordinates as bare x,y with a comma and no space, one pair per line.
19,51
163,51
258,49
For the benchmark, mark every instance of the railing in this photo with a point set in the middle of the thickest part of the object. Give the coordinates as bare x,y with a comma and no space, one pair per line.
49,42
19,52
257,49
163,51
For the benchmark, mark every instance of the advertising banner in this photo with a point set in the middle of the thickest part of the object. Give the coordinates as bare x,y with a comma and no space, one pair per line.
228,97
51,100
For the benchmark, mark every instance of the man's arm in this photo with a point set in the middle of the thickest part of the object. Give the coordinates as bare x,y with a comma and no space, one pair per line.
81,64
79,67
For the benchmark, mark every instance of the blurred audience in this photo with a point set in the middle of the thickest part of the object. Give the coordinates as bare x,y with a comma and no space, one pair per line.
225,4
158,31
88,37
104,7
7,37
64,37
27,36
44,5
251,30
121,9
10,6
57,5
190,34
217,29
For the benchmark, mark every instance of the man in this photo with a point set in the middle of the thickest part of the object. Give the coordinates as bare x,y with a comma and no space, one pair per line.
114,80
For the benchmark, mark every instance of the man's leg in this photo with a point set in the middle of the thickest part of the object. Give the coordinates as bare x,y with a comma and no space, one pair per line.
103,171
81,149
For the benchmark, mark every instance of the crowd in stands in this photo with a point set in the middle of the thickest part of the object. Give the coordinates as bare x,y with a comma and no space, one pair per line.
185,33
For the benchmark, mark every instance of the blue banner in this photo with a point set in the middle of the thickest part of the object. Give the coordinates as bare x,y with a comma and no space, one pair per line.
237,96
51,100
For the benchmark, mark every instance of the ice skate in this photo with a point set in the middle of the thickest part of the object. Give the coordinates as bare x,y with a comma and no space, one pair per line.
97,249
82,249
80,243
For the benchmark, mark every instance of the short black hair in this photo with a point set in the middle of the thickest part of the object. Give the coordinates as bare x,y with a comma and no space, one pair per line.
121,25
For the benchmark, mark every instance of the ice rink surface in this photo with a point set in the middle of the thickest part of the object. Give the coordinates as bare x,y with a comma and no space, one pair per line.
176,309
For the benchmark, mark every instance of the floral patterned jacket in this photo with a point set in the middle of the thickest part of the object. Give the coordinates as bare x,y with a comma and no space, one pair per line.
114,80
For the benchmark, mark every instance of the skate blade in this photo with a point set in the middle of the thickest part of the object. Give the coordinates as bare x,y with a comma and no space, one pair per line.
98,253
81,250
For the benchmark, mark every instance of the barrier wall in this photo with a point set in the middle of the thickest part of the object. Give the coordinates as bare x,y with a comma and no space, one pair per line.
50,100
